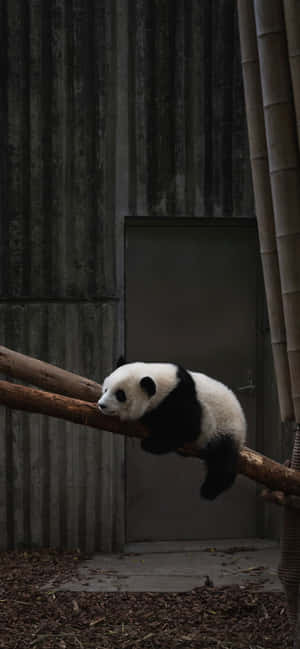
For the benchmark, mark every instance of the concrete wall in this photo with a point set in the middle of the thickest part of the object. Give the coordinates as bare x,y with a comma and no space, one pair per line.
110,108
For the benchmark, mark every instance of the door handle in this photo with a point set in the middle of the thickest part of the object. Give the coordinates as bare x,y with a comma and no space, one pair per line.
247,388
250,387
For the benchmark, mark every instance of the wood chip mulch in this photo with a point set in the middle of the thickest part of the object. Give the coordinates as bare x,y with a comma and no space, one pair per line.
219,618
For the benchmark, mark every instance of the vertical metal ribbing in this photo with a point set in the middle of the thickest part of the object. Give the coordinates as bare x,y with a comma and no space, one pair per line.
58,235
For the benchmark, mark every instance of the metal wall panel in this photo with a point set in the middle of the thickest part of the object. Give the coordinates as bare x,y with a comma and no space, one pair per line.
57,485
57,208
107,109
188,149
59,290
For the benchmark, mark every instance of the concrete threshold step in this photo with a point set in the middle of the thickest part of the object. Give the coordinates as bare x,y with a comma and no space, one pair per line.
179,566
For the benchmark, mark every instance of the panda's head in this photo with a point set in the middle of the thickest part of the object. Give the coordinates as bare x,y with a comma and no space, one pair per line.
133,389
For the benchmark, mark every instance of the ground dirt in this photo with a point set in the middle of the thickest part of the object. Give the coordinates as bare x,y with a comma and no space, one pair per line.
234,617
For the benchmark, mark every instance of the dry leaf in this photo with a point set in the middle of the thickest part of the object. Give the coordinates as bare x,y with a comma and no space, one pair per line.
97,621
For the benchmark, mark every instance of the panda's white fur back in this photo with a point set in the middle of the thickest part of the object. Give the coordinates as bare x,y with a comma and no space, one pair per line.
224,409
221,410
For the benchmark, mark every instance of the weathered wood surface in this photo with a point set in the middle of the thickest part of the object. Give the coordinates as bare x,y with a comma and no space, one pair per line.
252,464
280,498
47,376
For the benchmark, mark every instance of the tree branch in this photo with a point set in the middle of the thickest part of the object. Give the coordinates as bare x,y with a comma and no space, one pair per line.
46,376
252,464
280,498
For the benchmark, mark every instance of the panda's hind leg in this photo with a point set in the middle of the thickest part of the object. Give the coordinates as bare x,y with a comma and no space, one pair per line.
221,459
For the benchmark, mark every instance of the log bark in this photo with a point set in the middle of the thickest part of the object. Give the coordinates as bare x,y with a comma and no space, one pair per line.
280,498
46,376
252,464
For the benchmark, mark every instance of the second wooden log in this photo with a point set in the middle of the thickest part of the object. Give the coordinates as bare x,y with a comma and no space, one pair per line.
252,464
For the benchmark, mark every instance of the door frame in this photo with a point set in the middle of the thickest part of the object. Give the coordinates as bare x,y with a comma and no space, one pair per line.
262,327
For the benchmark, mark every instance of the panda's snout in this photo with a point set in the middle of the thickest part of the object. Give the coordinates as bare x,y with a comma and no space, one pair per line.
105,405
101,405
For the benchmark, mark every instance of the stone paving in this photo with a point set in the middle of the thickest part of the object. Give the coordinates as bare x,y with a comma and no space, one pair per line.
179,566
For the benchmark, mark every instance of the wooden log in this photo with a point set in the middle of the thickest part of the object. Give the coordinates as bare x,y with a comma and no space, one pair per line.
46,376
280,498
20,397
252,464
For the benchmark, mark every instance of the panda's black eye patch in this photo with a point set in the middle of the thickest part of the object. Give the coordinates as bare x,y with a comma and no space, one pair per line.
120,395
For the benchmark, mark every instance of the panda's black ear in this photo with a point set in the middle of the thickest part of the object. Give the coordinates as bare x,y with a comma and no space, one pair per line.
121,361
147,384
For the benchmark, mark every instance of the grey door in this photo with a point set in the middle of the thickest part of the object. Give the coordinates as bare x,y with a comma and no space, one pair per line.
193,296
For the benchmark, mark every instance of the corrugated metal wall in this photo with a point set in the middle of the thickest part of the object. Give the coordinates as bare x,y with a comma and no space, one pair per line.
58,130
56,481
109,108
58,286
188,150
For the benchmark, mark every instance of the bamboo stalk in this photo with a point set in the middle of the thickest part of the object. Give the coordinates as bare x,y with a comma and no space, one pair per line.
284,166
46,376
252,464
263,203
292,22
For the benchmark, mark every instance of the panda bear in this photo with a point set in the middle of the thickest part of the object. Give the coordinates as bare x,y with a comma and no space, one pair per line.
178,406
